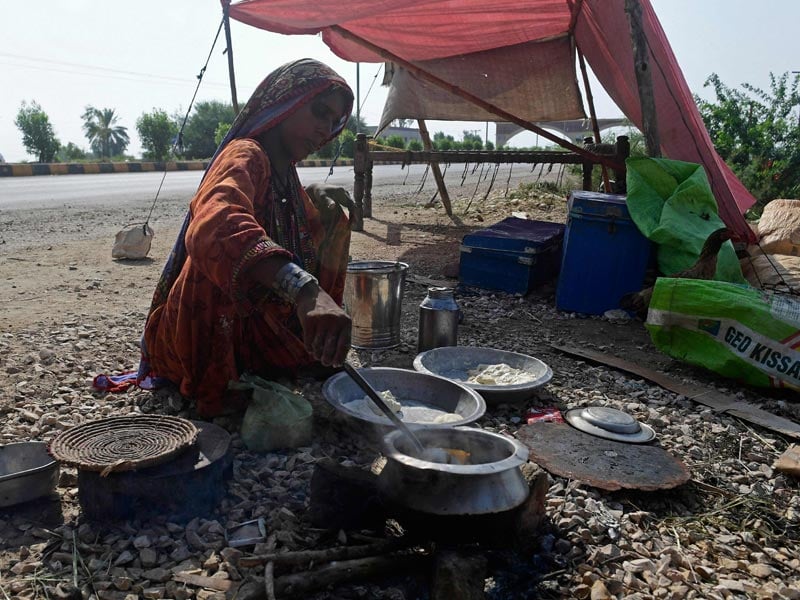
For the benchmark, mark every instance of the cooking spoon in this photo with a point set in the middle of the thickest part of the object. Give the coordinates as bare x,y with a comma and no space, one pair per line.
378,400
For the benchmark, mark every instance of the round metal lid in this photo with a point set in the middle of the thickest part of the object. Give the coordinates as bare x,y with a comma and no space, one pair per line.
577,418
611,419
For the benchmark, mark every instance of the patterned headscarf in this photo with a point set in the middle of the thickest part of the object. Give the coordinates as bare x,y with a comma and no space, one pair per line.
284,91
281,93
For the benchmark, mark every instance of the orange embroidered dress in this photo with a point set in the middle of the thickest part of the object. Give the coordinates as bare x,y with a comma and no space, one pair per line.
209,322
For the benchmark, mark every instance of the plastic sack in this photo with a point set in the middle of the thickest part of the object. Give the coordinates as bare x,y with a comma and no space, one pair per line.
133,243
275,418
779,227
737,331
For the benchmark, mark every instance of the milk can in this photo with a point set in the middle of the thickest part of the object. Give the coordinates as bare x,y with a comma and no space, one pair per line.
438,319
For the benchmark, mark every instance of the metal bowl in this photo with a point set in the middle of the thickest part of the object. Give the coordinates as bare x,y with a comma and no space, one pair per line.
426,395
27,472
455,362
490,482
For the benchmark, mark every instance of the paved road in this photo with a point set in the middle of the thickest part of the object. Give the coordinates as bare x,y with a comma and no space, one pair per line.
122,189
100,190
72,207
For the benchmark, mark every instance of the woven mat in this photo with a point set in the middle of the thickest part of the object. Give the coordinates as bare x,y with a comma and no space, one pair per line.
123,443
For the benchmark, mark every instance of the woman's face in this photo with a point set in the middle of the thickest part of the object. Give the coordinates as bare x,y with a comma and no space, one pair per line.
311,125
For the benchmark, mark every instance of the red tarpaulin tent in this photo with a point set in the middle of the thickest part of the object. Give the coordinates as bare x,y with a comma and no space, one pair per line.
428,30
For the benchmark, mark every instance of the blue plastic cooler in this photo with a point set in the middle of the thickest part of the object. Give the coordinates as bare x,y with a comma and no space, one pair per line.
605,256
514,255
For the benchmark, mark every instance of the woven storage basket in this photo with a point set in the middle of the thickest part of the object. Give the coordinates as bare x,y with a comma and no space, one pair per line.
123,443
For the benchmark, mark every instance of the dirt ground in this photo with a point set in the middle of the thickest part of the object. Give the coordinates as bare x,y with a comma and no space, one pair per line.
57,269
57,265
68,312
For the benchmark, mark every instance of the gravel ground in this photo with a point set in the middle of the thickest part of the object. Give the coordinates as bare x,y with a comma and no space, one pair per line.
70,312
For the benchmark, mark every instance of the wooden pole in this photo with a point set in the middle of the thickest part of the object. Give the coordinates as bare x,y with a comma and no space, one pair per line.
229,50
359,168
358,97
437,172
644,81
487,106
593,115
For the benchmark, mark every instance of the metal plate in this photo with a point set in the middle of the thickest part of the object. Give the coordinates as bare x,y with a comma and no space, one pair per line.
455,362
597,425
605,464
610,419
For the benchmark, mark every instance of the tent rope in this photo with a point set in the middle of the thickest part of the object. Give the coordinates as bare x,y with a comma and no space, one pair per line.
374,79
766,286
464,174
179,138
508,181
491,183
424,179
477,185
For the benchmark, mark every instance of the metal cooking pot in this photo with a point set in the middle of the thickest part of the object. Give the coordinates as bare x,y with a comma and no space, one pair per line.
492,482
27,472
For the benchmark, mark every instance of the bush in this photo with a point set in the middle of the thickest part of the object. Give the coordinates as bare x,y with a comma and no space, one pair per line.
347,142
757,133
396,141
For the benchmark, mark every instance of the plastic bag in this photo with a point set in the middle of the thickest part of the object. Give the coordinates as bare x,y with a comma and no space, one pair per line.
672,204
133,243
737,331
275,418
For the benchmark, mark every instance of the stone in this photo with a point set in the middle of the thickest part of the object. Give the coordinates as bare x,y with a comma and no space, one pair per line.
600,591
148,557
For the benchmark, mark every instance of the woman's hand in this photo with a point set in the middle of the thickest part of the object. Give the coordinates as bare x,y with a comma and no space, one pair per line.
326,327
329,200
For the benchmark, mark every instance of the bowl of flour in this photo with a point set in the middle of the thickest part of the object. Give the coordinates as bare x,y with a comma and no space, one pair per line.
497,375
418,399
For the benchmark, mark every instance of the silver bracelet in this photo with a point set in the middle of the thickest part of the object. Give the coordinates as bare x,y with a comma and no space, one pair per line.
290,279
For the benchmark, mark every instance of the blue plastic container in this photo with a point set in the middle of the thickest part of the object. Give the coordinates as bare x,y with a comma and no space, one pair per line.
604,257
514,255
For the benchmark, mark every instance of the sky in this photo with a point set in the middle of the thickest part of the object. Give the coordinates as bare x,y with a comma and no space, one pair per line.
138,56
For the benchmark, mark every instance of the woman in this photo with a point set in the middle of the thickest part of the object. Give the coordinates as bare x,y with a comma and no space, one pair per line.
255,281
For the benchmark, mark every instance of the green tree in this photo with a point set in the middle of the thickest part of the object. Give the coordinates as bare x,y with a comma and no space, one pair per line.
38,136
222,131
414,145
471,141
157,132
202,125
396,141
106,138
351,124
71,153
757,133
443,142
347,142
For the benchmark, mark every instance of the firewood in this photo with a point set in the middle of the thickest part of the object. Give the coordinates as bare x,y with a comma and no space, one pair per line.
299,584
306,557
269,579
458,575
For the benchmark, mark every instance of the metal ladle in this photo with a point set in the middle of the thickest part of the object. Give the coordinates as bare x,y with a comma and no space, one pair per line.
378,400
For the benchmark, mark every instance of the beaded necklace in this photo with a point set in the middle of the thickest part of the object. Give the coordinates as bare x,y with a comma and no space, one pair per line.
287,221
